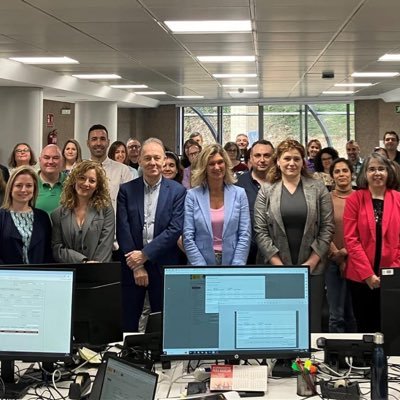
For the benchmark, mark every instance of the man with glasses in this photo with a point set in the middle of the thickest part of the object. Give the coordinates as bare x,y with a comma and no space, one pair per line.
353,155
391,141
149,223
192,152
51,179
134,147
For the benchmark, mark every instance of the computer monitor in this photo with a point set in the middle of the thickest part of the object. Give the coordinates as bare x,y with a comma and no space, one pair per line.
390,300
98,304
36,313
235,312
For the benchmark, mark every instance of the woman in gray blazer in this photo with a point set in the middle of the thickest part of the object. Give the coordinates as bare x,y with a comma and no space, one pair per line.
293,220
83,227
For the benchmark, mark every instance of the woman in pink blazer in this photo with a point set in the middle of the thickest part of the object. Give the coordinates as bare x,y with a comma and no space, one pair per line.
371,222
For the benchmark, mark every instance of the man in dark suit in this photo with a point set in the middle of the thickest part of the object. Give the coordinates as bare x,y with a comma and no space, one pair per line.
149,224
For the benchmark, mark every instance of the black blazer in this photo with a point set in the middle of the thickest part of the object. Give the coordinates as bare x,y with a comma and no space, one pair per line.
39,251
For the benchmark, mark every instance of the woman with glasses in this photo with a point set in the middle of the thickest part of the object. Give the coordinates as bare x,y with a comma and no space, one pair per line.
234,155
371,223
22,154
322,163
25,231
217,229
83,226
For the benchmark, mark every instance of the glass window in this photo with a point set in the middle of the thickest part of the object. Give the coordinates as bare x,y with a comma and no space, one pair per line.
203,120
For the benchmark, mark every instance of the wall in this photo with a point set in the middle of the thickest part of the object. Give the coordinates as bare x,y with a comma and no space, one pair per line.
372,119
143,123
63,123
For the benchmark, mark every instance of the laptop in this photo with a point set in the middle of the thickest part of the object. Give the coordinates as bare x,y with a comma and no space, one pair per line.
120,379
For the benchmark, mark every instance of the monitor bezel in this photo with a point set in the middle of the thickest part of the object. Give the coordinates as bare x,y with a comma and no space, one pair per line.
42,356
245,354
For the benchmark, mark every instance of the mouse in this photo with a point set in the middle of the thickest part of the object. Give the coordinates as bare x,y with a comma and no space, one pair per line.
80,386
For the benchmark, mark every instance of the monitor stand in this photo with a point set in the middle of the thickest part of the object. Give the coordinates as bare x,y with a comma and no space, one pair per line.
12,389
282,368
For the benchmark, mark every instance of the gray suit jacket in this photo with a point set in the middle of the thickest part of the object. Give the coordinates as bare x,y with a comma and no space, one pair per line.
97,235
270,230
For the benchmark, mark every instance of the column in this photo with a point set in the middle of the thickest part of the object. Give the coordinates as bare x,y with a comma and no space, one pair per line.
21,115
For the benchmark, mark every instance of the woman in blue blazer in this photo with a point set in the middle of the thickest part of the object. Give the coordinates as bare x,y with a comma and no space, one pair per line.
25,231
217,228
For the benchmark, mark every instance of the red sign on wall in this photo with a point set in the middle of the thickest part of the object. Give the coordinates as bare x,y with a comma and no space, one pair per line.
50,120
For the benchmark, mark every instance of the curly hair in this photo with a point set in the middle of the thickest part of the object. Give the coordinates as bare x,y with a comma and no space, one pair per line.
199,169
101,196
22,170
274,174
318,158
12,162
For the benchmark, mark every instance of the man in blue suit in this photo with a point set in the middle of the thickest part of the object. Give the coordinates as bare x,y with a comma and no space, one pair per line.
149,223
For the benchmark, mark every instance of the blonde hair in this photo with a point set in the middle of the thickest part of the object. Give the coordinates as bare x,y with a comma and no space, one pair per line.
199,166
22,170
274,174
101,196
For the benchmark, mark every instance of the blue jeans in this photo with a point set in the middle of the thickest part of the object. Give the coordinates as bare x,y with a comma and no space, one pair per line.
341,317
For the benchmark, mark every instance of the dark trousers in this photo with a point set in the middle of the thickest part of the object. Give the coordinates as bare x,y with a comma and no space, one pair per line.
133,296
317,294
366,306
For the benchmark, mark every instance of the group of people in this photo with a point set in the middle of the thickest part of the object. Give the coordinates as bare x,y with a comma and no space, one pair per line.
128,203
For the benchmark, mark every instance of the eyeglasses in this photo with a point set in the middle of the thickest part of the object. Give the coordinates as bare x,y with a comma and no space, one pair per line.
372,170
134,146
19,151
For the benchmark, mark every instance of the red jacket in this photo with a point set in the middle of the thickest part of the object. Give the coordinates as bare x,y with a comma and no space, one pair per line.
360,233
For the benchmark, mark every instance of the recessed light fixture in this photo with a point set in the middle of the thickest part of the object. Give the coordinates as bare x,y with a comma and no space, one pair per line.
235,75
189,97
374,74
96,76
208,26
45,60
335,92
354,84
390,57
129,86
150,93
239,86
217,59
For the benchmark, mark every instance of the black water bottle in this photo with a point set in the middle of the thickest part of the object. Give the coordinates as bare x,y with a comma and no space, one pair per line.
379,370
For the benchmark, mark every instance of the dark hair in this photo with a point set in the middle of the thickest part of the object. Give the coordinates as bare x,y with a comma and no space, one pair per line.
97,127
377,149
113,148
173,156
338,160
264,142
184,158
318,158
274,173
12,162
391,133
391,182
231,145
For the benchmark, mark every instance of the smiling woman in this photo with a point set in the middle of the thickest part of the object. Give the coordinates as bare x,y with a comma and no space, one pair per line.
25,231
83,227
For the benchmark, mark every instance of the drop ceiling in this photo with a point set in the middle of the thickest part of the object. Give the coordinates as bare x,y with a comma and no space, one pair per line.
294,42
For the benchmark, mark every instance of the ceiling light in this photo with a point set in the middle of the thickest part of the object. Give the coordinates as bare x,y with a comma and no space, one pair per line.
242,93
216,59
374,74
208,26
129,86
235,75
45,60
96,76
150,93
239,86
189,97
358,84
390,57
338,92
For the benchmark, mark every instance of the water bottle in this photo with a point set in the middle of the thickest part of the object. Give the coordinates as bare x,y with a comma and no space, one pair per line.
379,370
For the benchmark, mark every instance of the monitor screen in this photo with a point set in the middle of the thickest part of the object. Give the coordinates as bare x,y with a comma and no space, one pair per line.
235,312
390,300
36,313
